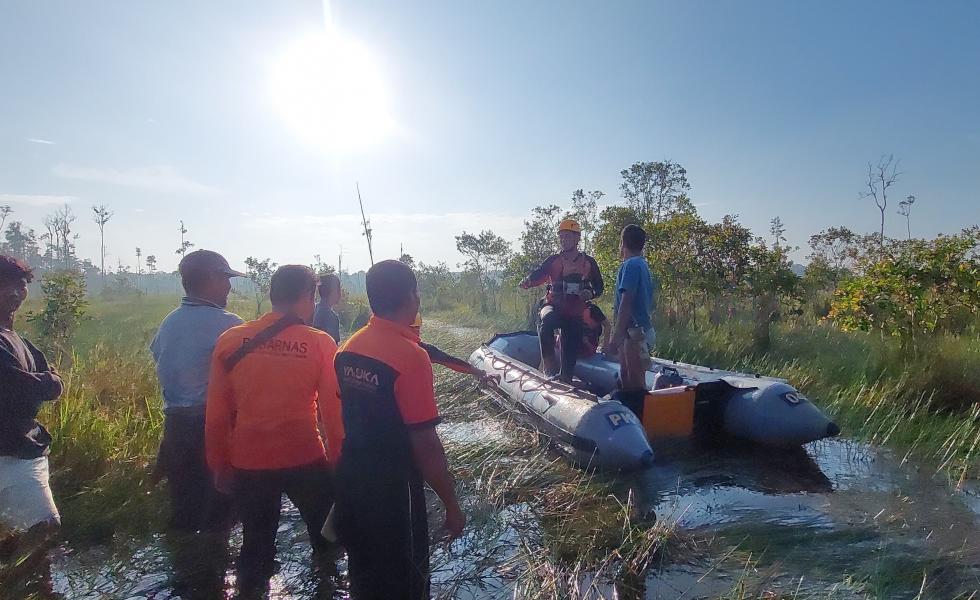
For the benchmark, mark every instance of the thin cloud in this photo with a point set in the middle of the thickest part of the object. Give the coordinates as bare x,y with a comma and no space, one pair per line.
40,141
36,200
157,178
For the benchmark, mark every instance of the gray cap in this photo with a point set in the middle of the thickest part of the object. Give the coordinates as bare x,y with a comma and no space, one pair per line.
206,261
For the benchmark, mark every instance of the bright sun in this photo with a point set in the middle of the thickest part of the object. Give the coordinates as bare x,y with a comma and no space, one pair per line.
331,93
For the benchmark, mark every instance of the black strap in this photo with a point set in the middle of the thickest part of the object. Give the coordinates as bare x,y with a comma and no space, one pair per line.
260,338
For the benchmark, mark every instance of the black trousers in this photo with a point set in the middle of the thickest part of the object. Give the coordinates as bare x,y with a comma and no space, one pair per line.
572,330
383,525
258,494
194,502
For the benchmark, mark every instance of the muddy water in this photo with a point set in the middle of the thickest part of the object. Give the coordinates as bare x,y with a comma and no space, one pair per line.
832,513
837,518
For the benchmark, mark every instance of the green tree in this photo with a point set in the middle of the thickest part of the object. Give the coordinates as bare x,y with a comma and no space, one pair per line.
486,254
22,243
62,311
260,272
913,288
585,210
770,283
656,190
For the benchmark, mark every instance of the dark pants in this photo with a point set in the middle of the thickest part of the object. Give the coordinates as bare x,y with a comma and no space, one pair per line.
194,502
572,330
259,497
384,527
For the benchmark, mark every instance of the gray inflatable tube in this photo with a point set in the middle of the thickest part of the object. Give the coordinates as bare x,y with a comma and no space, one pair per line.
758,409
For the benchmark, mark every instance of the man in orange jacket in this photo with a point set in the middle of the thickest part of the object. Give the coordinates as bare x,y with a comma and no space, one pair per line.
261,434
573,279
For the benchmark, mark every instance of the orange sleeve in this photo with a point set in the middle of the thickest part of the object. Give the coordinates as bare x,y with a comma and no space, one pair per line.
328,399
220,413
414,391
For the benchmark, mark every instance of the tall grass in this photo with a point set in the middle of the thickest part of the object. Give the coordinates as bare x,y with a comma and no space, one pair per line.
927,406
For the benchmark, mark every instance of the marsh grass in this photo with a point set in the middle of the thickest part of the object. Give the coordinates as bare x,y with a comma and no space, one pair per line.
539,528
926,407
546,528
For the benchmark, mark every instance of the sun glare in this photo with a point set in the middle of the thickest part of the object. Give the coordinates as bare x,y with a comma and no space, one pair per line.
330,92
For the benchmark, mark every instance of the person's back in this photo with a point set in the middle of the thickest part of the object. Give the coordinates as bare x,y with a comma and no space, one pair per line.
271,395
325,318
182,349
268,378
391,447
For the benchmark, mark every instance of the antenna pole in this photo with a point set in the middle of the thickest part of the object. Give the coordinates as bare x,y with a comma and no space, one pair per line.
366,223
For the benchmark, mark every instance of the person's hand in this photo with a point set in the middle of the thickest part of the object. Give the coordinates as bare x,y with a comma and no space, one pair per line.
486,379
614,345
224,481
455,521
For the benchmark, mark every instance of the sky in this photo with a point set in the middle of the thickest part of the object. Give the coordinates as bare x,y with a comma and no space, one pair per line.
213,113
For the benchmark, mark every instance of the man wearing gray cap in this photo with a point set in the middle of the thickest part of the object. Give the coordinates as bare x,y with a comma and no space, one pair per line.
182,351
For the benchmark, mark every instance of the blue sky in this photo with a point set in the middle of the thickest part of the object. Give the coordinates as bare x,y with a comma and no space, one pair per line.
162,111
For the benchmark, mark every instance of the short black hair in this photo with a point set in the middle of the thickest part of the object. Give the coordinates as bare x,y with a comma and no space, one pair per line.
634,237
14,270
390,284
290,282
328,281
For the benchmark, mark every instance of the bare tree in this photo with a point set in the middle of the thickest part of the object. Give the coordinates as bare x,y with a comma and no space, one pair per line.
5,211
905,209
101,216
61,241
881,177
184,244
139,266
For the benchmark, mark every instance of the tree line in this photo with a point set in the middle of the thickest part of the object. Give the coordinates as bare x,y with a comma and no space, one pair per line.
720,271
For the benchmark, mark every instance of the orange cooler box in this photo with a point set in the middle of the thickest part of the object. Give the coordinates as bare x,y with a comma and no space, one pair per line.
669,413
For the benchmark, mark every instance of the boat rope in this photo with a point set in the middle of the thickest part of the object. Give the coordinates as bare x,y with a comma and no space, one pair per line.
525,374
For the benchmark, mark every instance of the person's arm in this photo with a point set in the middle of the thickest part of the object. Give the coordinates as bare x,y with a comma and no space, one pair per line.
23,392
328,401
449,361
624,313
598,285
606,332
539,276
415,395
219,419
430,458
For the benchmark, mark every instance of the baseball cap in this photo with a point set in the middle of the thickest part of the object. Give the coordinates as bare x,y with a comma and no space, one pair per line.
206,261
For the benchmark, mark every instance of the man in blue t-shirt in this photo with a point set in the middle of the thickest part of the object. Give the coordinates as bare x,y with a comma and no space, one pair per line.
633,332
182,351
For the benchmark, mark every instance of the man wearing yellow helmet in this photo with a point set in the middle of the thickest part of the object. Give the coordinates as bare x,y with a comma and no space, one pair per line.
573,279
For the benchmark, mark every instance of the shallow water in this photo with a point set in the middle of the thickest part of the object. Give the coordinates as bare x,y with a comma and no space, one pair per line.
809,518
836,519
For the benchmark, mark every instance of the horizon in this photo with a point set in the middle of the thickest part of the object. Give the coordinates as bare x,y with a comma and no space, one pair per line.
476,115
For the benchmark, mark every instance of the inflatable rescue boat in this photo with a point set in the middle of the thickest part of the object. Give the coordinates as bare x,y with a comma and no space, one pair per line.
680,400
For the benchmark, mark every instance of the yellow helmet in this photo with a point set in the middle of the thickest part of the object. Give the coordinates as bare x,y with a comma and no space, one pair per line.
570,225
